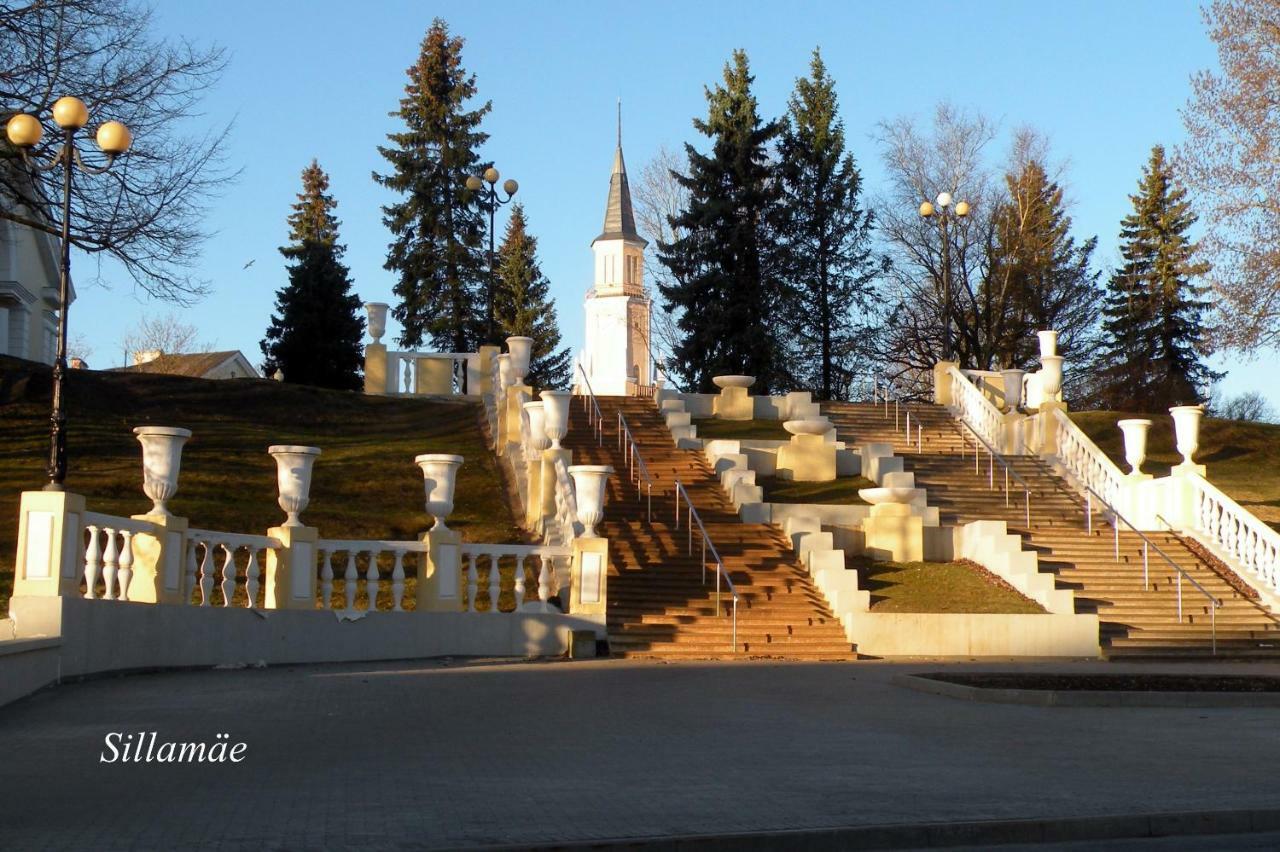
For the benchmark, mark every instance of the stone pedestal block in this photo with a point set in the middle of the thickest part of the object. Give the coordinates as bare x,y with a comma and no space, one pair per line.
590,579
291,570
157,561
807,458
375,368
434,376
894,534
440,579
734,403
50,547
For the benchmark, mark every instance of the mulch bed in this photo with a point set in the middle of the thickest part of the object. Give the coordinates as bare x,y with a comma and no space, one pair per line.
1114,682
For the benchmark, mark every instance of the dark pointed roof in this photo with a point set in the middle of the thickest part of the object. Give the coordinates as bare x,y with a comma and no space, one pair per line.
619,220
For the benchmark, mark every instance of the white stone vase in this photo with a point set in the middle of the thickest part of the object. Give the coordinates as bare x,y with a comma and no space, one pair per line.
723,382
1186,429
588,488
439,476
377,312
555,407
1051,376
1048,343
161,461
1013,388
293,477
521,350
1135,442
537,426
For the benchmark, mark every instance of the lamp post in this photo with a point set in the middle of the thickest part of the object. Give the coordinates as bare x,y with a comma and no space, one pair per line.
941,210
477,183
24,131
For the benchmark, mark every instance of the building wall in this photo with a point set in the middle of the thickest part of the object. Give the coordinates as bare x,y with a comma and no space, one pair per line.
28,293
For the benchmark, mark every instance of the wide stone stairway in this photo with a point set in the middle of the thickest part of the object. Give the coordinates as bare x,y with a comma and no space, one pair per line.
659,604
1135,620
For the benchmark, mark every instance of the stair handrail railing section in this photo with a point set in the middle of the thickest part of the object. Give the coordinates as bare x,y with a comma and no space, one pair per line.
972,406
883,389
595,417
707,545
637,470
1228,527
1082,458
1147,546
994,458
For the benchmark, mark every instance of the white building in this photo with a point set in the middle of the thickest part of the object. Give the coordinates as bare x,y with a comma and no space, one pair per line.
28,292
617,356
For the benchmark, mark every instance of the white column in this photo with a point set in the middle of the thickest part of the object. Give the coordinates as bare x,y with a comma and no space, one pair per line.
4,331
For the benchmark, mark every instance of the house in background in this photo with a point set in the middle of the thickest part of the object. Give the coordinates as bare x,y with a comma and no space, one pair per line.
197,365
28,292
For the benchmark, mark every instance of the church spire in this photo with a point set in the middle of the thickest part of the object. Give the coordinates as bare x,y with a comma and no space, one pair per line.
619,220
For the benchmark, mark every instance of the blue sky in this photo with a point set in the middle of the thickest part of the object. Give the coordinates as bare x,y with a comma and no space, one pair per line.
1104,80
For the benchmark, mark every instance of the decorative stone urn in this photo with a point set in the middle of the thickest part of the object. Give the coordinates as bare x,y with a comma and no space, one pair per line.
1051,376
439,476
733,403
723,382
588,487
377,319
880,496
1135,443
812,426
537,426
161,461
1186,430
521,350
293,476
1013,388
1048,343
555,408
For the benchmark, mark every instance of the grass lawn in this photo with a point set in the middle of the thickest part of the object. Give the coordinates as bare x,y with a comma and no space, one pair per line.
937,587
365,483
843,490
1243,459
752,430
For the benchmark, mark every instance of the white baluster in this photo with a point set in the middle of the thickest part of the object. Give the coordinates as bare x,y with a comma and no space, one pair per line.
228,574
397,582
92,563
206,574
519,582
251,578
189,575
544,580
326,579
473,583
495,583
371,581
350,579
126,564
110,563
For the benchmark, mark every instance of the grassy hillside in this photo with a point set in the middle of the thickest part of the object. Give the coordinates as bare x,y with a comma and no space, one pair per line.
1243,459
365,484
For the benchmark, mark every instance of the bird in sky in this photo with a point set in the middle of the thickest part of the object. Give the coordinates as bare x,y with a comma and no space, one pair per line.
250,263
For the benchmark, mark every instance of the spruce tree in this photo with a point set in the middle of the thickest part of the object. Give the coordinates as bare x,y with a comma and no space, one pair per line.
439,231
316,331
1153,329
724,265
523,305
829,260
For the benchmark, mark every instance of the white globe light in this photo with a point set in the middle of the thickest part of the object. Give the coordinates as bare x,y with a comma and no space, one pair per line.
944,199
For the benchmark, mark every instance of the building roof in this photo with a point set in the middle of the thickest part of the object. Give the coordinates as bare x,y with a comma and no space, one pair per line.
196,365
619,220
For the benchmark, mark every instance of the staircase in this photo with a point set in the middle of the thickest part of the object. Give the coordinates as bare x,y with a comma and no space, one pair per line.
1135,621
659,604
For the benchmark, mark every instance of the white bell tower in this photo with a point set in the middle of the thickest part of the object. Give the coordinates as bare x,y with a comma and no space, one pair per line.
617,356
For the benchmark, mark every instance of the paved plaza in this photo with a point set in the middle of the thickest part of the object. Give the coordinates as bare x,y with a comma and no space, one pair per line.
465,753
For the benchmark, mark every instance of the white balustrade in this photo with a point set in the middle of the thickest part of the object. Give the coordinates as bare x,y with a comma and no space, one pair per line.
522,556
372,550
403,369
213,559
1237,533
108,554
972,406
1081,457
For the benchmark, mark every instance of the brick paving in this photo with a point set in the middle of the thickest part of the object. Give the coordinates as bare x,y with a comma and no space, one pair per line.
444,754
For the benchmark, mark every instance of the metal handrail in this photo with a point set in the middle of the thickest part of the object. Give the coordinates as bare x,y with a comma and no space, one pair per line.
1147,543
637,470
597,424
992,457
693,517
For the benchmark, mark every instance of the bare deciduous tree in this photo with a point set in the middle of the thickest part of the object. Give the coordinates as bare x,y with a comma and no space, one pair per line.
148,211
1250,406
659,198
1231,162
165,333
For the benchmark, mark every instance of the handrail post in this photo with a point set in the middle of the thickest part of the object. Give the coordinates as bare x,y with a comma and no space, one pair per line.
719,571
1146,583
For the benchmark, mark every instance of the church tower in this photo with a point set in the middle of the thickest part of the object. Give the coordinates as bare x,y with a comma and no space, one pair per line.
617,357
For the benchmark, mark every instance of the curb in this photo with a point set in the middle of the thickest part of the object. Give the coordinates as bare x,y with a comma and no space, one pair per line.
926,835
1085,698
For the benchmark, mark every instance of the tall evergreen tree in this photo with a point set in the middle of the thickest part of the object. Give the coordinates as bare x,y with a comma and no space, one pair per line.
523,306
723,264
439,232
1039,275
829,260
1153,330
315,333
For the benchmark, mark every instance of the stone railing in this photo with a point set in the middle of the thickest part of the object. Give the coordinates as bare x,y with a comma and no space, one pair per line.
1235,532
1082,458
435,373
202,568
566,526
108,554
971,405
